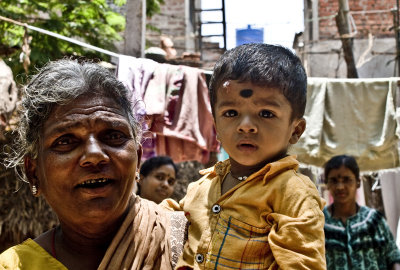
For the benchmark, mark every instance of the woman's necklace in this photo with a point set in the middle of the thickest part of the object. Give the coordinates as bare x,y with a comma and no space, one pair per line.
239,178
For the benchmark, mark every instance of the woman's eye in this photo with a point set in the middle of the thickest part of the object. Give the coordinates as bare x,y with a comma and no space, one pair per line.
171,181
347,180
64,142
332,181
266,114
230,113
115,137
160,177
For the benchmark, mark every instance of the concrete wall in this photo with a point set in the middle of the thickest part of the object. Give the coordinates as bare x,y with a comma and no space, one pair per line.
174,22
370,16
374,42
374,58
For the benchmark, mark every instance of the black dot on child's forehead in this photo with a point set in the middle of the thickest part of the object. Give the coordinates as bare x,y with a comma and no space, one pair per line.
246,93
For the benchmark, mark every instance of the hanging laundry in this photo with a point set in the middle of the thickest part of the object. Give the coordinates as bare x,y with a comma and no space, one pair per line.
175,106
135,74
351,116
179,110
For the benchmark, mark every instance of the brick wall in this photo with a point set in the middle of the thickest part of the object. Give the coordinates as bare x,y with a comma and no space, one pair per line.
171,22
370,16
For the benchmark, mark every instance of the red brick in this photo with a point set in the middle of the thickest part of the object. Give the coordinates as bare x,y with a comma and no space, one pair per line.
376,23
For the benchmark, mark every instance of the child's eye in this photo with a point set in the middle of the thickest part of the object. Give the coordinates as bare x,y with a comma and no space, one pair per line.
230,113
266,114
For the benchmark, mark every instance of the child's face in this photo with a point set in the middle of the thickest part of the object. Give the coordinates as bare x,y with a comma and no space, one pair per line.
254,123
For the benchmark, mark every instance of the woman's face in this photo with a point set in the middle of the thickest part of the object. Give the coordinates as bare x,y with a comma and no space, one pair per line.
158,184
343,184
86,163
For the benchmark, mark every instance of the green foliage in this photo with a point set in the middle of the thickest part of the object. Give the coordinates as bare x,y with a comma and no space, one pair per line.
153,7
90,21
93,22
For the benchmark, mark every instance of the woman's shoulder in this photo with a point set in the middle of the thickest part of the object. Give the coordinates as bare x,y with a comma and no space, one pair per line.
366,214
27,248
29,255
326,211
370,220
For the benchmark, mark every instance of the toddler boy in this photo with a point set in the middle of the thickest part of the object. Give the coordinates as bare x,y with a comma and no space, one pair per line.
253,210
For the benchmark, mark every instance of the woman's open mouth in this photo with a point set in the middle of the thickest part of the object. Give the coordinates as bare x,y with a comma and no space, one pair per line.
95,183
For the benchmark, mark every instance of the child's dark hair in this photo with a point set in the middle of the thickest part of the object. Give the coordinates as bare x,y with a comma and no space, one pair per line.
263,65
155,162
342,160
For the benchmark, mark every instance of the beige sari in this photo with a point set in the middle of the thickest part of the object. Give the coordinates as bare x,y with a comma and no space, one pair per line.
143,241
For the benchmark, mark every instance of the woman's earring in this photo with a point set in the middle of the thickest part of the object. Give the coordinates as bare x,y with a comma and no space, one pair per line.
34,190
137,177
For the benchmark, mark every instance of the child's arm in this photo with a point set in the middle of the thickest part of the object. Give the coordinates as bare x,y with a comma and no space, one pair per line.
297,237
171,205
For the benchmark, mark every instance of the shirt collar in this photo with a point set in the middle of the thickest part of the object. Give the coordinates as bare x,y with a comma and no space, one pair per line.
221,168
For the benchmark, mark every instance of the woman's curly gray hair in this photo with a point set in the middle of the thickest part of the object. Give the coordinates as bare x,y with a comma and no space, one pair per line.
59,83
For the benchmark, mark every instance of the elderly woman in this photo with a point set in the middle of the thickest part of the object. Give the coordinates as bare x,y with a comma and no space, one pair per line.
78,146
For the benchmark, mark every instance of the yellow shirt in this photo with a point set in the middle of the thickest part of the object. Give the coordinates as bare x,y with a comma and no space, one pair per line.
29,255
272,220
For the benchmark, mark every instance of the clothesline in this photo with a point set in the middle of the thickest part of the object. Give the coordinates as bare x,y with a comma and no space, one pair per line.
71,40
80,43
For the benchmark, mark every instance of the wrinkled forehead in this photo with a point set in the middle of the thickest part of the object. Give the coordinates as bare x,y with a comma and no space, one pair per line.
86,105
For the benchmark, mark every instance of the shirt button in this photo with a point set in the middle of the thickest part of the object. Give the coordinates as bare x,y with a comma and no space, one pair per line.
216,209
199,258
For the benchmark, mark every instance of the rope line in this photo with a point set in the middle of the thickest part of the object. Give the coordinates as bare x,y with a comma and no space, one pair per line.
71,40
